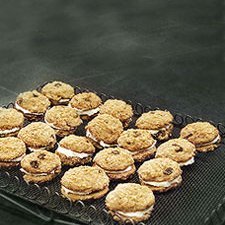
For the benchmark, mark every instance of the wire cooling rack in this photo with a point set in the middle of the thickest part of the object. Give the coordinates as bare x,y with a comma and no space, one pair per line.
199,200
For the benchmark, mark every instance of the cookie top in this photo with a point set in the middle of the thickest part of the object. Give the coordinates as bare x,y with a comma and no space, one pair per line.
179,150
77,144
40,162
135,139
85,101
160,169
199,133
58,90
130,197
11,148
117,108
33,101
62,117
154,120
37,134
10,118
85,179
105,128
114,159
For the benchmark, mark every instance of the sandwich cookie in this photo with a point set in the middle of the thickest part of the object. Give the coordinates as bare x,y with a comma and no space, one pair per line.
179,150
203,135
38,136
116,162
12,151
119,109
75,150
161,174
86,104
58,93
130,203
11,121
63,119
159,123
139,143
40,166
84,183
32,104
104,130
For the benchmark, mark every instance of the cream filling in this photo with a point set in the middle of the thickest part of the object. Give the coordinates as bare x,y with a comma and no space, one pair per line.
37,174
69,153
129,168
10,130
64,100
102,143
37,149
164,183
154,132
188,162
68,191
211,142
57,128
25,111
90,112
18,159
137,214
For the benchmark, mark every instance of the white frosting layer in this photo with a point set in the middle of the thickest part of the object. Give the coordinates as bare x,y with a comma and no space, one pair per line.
70,153
36,174
163,183
52,125
18,159
153,132
211,142
189,162
129,168
102,143
25,111
64,100
145,150
68,191
36,149
137,214
9,131
90,112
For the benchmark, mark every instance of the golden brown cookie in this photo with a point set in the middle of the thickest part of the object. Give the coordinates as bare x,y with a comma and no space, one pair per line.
87,104
63,119
75,150
180,150
38,136
84,183
119,109
203,135
40,166
139,143
161,174
59,93
117,163
12,150
11,121
32,104
104,130
158,122
130,202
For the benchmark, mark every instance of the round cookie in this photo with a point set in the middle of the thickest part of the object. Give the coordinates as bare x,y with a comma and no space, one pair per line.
104,130
86,104
12,150
40,166
38,136
59,93
84,183
161,174
158,122
116,162
63,119
75,150
203,135
139,143
119,109
11,121
32,104
130,202
179,150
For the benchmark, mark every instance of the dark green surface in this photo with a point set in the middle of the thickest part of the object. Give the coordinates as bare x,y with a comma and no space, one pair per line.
165,53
